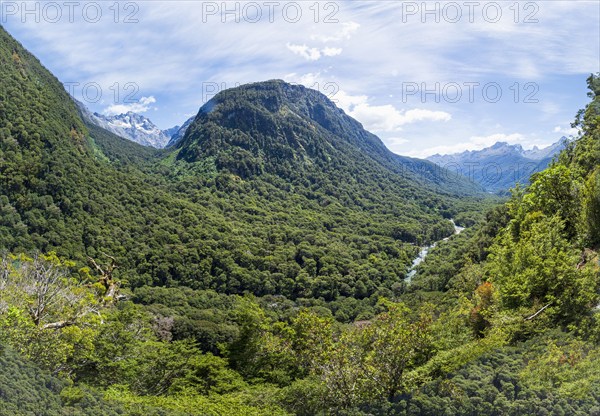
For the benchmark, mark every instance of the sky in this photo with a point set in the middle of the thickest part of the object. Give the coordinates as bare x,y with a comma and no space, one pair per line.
426,77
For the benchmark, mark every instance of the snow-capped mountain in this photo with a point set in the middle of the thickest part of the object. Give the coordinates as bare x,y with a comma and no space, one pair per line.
499,167
134,127
131,126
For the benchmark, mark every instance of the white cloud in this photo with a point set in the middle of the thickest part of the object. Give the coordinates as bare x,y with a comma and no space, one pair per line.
312,54
141,106
309,80
418,114
385,118
348,102
331,51
394,141
566,131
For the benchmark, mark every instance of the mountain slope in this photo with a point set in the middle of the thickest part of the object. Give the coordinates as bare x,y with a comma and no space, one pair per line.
177,132
293,132
499,167
172,131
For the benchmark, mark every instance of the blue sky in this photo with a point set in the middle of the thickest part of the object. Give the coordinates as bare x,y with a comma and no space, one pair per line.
425,77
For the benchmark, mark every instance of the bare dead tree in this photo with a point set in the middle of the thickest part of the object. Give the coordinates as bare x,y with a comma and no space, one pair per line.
106,279
46,291
47,284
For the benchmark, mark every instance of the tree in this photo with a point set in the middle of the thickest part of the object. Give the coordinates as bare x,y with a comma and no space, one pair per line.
394,345
44,287
539,268
591,210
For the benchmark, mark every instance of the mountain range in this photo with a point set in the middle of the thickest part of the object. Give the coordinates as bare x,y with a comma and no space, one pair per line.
256,266
500,167
136,127
278,163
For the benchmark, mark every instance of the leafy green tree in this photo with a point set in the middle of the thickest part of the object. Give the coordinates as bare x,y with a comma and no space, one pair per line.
396,344
591,210
556,190
539,270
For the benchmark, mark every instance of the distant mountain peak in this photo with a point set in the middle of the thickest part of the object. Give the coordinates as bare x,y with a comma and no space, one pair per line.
176,133
501,165
498,145
132,126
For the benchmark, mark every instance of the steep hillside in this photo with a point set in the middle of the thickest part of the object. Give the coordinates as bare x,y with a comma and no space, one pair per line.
177,133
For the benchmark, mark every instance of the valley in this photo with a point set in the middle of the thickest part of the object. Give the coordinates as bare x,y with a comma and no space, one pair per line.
274,257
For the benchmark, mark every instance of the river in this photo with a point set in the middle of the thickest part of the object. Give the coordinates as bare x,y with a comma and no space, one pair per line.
425,250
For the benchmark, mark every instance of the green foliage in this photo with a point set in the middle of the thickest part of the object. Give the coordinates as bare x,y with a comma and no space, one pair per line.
571,369
539,269
591,210
251,403
553,191
25,389
491,385
395,346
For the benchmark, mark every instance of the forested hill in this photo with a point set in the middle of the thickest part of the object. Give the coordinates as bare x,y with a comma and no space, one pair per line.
298,134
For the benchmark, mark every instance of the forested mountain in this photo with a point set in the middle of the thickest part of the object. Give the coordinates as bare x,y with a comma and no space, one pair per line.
299,135
500,167
257,267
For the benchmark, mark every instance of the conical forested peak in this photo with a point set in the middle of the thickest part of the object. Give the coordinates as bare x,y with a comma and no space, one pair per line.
276,127
274,94
286,100
291,131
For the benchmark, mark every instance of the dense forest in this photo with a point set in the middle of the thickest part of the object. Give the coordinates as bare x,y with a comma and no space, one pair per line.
259,267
